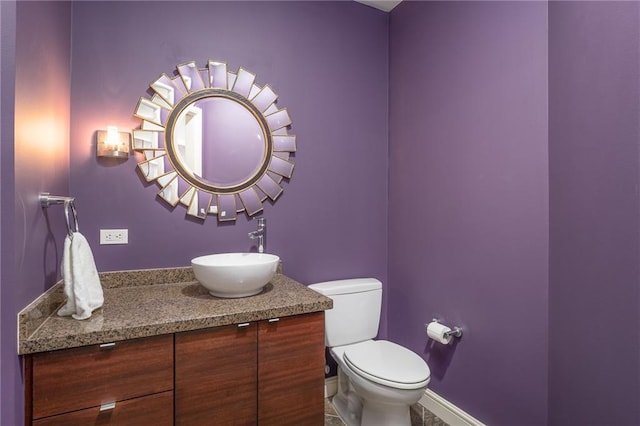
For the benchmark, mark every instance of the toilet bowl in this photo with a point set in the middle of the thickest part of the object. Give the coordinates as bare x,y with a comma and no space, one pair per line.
378,380
387,377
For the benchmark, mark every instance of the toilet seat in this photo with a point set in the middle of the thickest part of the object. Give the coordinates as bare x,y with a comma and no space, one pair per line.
388,364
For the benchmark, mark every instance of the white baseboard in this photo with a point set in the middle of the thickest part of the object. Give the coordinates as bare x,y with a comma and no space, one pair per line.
448,412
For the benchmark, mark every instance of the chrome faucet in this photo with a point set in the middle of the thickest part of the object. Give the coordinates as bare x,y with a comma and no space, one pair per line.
260,234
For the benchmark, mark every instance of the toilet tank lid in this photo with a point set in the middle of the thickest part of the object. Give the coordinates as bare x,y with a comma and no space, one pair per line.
354,285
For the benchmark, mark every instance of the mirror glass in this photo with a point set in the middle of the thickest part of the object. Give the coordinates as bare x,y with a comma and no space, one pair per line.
214,141
234,148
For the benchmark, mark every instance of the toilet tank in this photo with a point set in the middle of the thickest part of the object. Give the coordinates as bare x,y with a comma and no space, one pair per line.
355,316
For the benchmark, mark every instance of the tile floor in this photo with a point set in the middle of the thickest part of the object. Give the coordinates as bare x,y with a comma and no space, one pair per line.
420,416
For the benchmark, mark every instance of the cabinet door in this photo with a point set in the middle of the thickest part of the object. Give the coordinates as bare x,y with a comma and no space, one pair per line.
216,376
291,371
156,410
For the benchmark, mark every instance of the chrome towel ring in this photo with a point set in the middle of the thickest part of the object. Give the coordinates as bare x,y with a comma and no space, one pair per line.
70,212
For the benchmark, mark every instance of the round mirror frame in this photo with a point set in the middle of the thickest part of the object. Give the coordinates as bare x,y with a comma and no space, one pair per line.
155,139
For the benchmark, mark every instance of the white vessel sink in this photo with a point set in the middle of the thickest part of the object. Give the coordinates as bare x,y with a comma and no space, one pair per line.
235,274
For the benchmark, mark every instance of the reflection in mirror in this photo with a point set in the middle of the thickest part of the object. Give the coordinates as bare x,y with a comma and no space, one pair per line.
200,204
143,139
231,80
193,207
278,119
227,207
243,82
270,187
250,201
187,196
191,76
150,111
284,143
217,75
214,141
147,125
152,169
157,99
281,167
169,191
265,98
234,149
165,88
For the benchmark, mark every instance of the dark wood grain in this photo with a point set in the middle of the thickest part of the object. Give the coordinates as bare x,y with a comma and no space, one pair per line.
265,373
27,362
291,371
74,379
216,373
156,410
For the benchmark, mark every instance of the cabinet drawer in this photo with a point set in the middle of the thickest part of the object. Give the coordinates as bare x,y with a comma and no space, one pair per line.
156,410
74,379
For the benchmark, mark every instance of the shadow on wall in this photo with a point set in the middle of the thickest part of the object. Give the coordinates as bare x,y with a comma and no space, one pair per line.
439,356
51,256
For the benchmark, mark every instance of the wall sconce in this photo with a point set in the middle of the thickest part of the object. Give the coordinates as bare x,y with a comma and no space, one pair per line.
112,143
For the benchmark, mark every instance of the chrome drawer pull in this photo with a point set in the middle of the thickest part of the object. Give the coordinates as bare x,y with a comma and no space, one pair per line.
108,406
107,345
274,319
244,324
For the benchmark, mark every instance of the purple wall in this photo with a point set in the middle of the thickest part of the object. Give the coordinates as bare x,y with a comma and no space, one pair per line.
509,204
39,161
593,167
468,204
9,372
43,58
328,61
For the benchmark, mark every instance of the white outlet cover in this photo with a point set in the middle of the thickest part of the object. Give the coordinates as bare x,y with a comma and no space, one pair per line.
114,236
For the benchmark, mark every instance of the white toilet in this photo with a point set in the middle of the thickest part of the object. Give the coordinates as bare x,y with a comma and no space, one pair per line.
377,380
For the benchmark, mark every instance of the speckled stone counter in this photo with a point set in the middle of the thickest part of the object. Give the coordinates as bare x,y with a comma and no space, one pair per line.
152,302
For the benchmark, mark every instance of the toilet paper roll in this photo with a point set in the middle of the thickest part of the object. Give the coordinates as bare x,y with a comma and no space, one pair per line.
436,331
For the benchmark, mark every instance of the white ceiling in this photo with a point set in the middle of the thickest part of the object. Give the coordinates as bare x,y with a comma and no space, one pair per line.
385,5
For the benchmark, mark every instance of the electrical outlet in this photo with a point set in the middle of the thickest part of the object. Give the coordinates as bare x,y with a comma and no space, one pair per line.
114,236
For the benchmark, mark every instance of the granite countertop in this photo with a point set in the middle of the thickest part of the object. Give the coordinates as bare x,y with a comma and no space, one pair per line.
153,302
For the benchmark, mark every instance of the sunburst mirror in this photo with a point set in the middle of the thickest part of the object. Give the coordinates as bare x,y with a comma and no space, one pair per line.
214,141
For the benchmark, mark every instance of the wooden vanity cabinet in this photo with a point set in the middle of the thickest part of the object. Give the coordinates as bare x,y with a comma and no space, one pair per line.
268,372
265,373
83,383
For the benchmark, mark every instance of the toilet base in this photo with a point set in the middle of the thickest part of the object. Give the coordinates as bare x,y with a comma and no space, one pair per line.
359,403
354,411
350,418
376,414
347,403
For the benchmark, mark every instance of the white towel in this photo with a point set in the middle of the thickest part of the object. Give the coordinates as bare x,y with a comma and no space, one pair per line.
81,281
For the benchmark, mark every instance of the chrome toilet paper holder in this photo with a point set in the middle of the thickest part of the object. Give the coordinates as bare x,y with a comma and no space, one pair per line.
454,332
